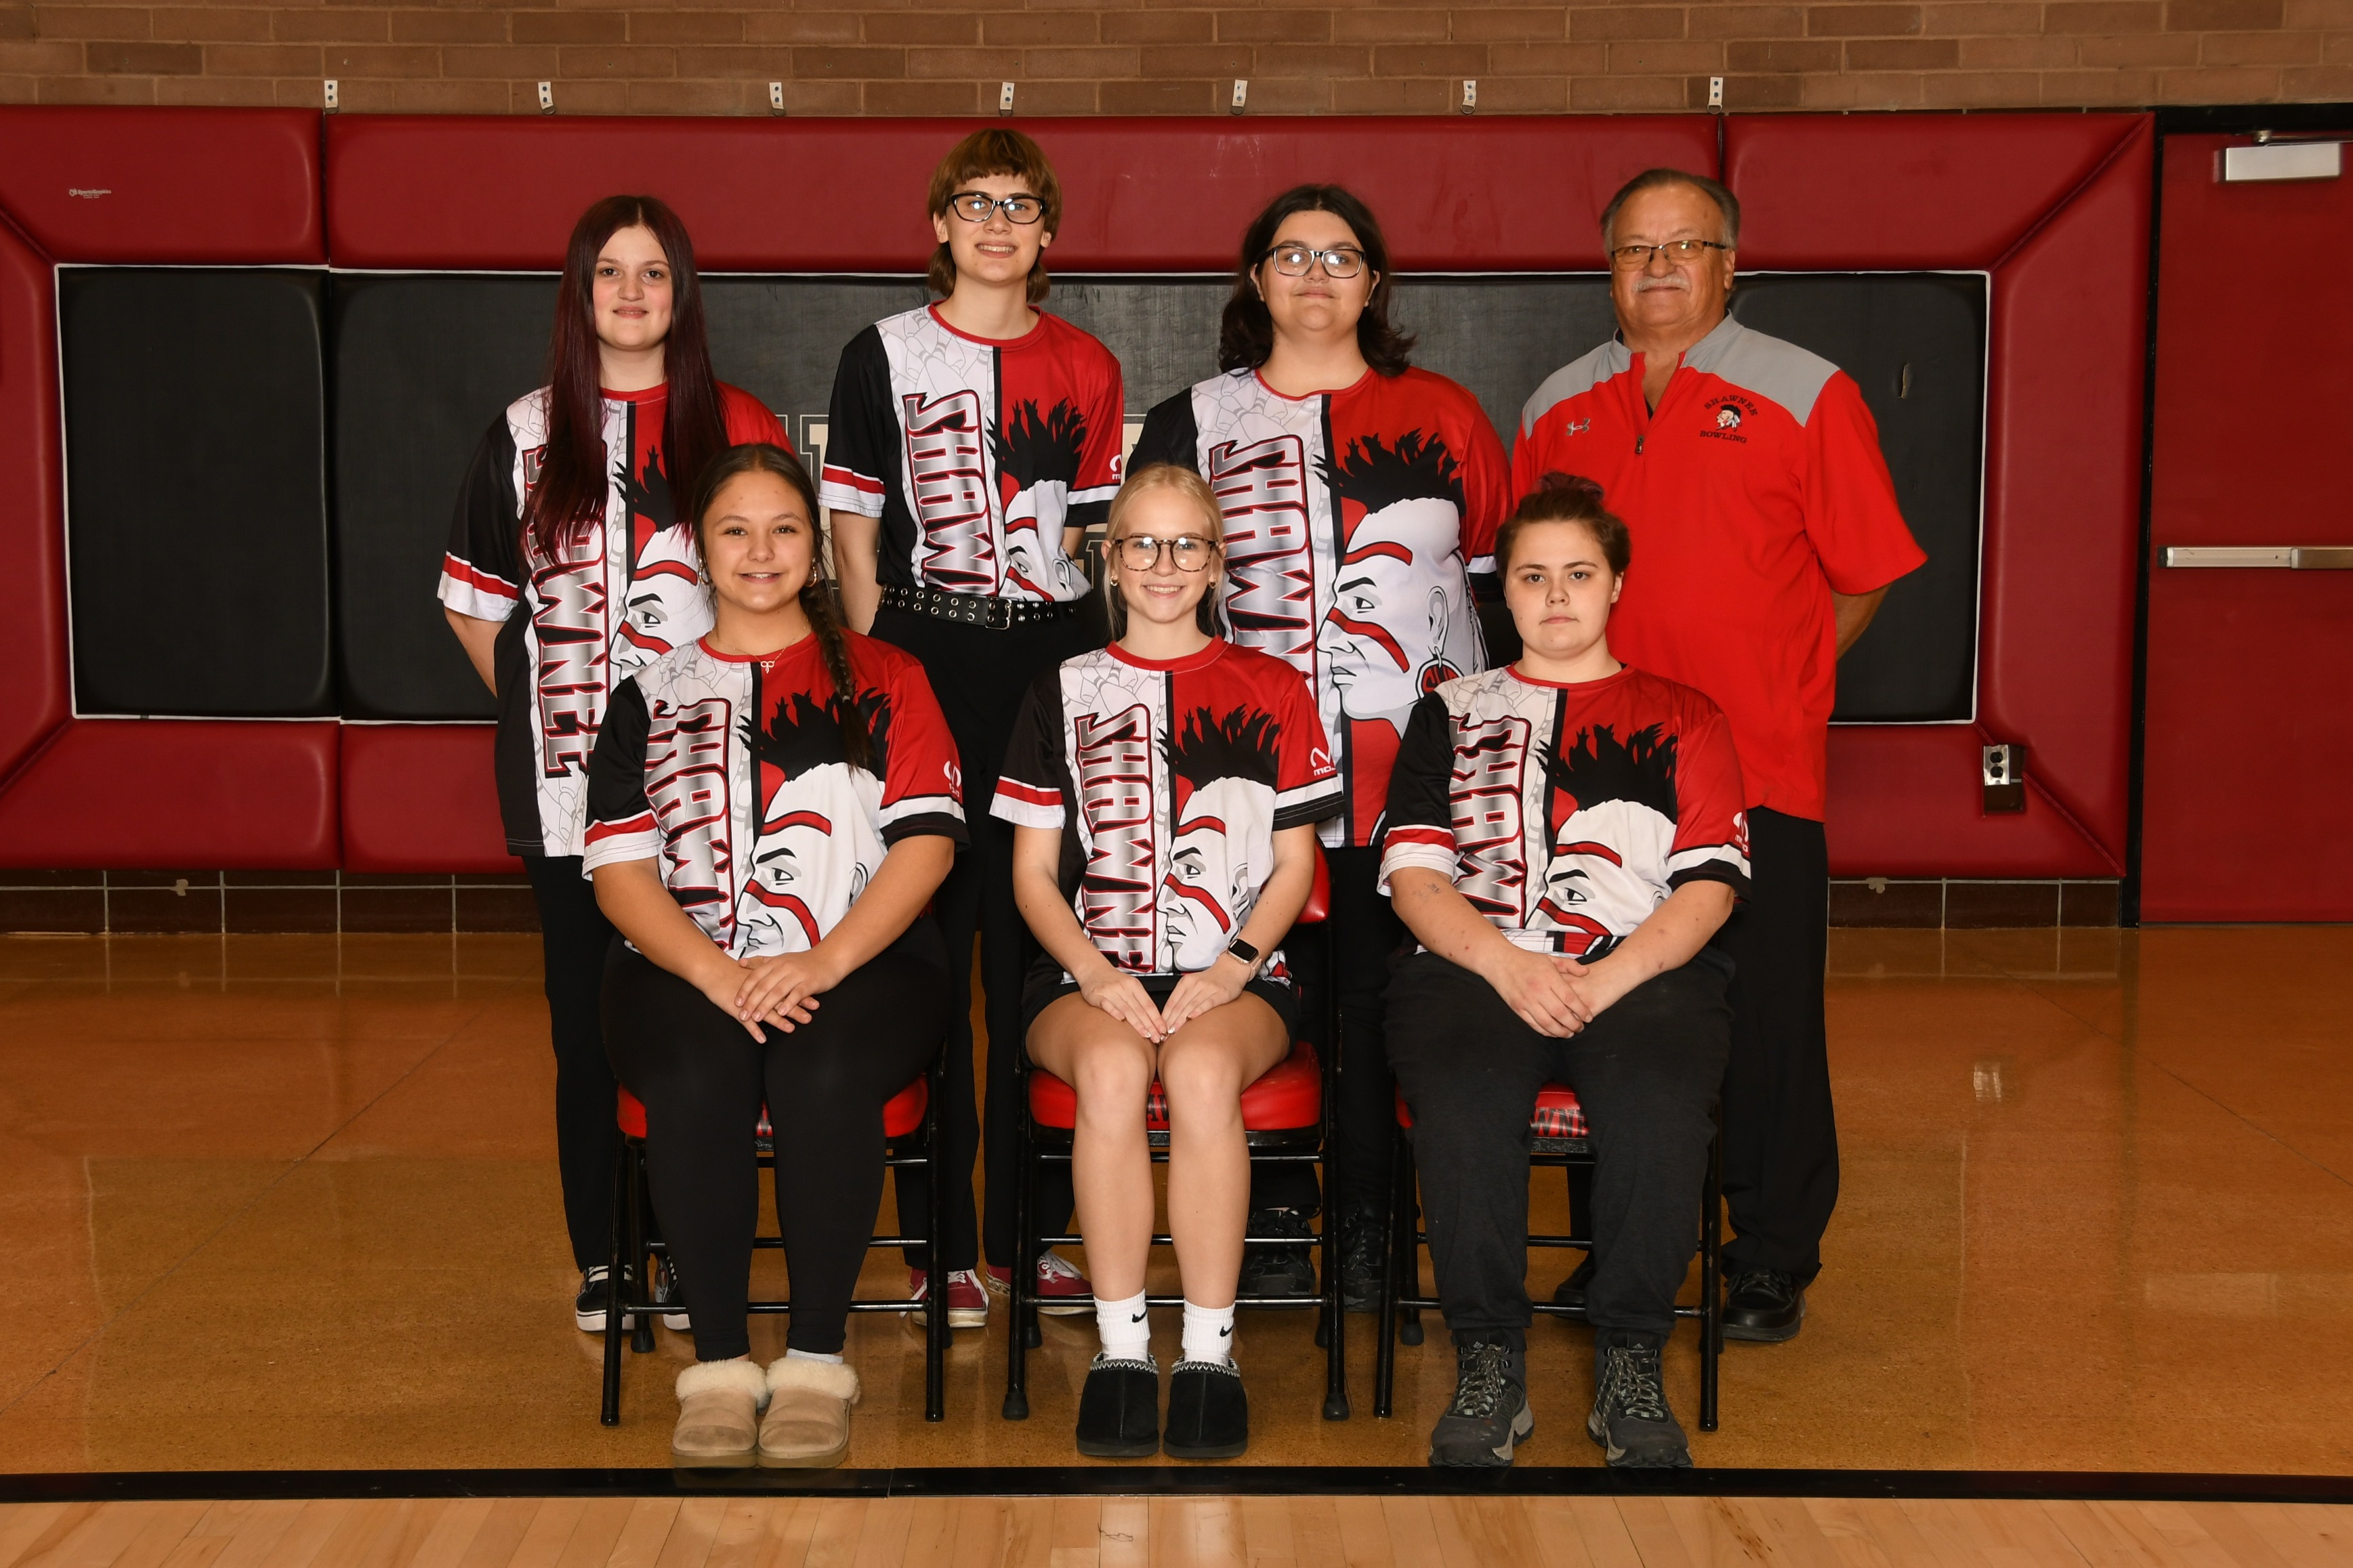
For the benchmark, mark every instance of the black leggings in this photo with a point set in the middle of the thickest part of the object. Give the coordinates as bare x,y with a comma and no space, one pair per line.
703,1079
574,934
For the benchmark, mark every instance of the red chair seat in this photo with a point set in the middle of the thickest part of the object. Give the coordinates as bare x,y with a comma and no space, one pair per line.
1287,1096
1557,1113
901,1115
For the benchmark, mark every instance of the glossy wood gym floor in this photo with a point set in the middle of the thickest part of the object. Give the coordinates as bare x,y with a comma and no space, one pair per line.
289,1203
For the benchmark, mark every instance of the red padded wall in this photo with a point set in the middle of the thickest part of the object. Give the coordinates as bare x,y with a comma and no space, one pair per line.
2057,208
814,196
418,797
176,794
32,506
190,185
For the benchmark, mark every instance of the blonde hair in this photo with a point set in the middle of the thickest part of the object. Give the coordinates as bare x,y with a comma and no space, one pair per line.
1209,614
998,150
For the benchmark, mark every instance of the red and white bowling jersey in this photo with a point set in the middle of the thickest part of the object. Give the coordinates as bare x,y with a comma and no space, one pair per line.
975,452
624,593
727,772
1169,780
1566,813
1353,520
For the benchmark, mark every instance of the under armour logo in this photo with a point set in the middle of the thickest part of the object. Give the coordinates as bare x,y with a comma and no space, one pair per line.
1579,427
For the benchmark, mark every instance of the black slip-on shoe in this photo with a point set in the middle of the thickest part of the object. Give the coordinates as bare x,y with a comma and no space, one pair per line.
1489,1416
1362,1234
1272,1271
1570,1292
1763,1306
1630,1419
1119,1409
1209,1415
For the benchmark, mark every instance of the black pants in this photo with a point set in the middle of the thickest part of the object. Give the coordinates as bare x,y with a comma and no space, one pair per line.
980,676
574,935
703,1079
1646,1071
1365,934
1780,1136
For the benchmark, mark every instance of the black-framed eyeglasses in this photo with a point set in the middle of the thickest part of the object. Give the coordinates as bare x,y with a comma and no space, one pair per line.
1294,260
1630,258
974,206
1141,551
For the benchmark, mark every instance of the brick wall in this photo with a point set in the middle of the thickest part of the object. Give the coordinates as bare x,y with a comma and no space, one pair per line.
1156,56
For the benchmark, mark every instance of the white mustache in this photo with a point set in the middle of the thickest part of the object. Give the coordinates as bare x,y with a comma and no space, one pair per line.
1673,281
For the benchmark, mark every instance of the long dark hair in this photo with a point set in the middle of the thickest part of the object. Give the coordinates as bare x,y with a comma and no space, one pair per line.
817,598
572,485
1246,335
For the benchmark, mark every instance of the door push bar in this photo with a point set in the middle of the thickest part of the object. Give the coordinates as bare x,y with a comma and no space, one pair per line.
2281,557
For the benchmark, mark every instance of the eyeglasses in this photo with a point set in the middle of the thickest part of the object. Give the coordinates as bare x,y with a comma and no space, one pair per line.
974,206
1141,551
1294,260
1630,258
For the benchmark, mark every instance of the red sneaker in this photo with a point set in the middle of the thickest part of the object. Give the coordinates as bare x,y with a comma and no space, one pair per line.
1061,1290
967,1302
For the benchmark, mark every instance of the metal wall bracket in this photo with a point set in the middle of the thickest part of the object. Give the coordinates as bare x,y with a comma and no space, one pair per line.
547,98
1005,98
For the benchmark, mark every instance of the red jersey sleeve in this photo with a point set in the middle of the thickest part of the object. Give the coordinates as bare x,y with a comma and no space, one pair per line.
1099,460
1488,495
1307,786
923,781
1711,842
748,419
1858,531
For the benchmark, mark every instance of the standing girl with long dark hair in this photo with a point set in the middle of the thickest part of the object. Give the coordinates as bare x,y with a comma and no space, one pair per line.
1373,491
771,807
567,516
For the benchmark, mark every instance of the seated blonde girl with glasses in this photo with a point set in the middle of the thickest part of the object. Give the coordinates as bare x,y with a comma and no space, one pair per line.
1164,791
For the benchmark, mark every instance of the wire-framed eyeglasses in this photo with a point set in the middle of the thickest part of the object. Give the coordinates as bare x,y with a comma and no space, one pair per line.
1295,260
1633,257
1141,551
974,206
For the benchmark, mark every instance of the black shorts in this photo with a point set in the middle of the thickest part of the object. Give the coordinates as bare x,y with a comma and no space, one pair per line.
1046,987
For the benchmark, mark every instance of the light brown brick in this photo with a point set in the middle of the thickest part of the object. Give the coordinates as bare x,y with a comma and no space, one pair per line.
1290,95
1873,91
46,58
2017,54
1473,22
850,64
744,63
506,62
1034,29
450,26
1754,92
97,89
1195,60
17,22
1981,90
2079,89
1274,26
573,97
1746,21
2220,15
800,27
951,65
1158,26
1397,95
1861,21
324,26
93,22
1429,59
1652,57
1783,56
1159,97
617,62
2333,15
235,92
688,27
923,27
1903,54
1606,22
2318,83
569,28
2260,49
381,59
1057,96
1981,17
1621,94
1564,61
2080,16
2151,49
1383,25
210,25
1523,94
1094,62
144,60
841,98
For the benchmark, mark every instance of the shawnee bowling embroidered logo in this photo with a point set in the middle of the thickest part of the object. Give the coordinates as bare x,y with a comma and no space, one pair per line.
1726,415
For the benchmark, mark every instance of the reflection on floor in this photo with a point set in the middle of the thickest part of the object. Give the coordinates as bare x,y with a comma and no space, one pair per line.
290,1202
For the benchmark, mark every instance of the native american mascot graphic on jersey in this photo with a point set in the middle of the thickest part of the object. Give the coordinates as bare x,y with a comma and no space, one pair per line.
809,863
1605,792
1223,771
1037,469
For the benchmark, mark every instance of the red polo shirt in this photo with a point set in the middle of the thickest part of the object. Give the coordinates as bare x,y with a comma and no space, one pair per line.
1754,491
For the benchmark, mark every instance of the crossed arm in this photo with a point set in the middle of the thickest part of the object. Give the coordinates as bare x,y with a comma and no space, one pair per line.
1553,994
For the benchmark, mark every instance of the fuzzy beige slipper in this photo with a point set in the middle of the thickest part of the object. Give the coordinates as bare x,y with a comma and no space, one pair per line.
719,1406
807,1424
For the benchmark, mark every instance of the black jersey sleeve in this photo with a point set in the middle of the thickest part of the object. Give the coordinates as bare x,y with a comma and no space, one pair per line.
1170,434
861,435
1420,821
481,573
1029,790
621,818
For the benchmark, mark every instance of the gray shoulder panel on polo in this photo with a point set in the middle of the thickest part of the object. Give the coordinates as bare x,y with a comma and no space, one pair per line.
1767,367
1579,375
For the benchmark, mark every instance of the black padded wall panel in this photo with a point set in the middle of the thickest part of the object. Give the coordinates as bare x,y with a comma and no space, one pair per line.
196,504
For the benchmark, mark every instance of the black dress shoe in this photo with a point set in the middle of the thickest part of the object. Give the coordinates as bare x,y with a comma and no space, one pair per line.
1570,1292
1119,1409
1763,1305
1209,1416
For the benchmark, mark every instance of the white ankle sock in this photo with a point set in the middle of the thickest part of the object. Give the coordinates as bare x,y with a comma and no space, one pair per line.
1208,1334
791,1355
1126,1328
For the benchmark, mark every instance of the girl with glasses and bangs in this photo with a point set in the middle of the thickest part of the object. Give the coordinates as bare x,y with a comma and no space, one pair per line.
1374,491
568,568
1164,792
971,445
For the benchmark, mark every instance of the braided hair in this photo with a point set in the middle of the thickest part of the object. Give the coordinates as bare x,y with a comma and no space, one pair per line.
817,596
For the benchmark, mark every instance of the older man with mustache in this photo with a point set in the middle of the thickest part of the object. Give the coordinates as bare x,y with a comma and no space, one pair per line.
1765,534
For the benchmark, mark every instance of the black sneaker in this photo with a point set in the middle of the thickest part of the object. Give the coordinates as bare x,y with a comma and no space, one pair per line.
1490,1415
1763,1305
589,1307
1119,1409
1361,1240
670,1297
1570,1292
1630,1419
1278,1270
1209,1415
